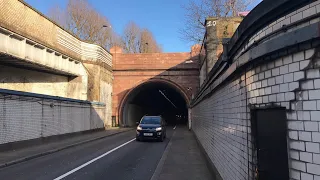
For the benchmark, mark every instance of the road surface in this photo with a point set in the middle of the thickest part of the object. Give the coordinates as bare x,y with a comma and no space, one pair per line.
117,157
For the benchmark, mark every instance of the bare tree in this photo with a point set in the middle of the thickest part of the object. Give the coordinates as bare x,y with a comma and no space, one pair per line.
57,14
115,40
198,10
131,38
81,19
137,40
148,42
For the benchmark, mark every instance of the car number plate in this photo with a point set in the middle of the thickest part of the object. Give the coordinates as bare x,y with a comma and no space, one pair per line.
147,134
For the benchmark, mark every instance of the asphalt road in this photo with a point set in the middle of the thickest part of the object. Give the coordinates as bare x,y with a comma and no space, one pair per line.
132,161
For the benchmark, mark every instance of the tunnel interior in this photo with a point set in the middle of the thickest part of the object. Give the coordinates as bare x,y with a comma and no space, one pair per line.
155,98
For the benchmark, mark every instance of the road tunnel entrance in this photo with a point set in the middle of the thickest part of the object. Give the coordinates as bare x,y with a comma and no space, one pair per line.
155,98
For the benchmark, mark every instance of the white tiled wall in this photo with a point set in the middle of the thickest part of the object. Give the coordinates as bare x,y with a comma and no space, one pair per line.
304,12
222,122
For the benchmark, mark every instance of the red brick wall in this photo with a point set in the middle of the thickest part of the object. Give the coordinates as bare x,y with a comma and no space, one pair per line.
130,70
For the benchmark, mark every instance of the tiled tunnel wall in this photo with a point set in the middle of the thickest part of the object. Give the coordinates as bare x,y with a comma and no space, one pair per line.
221,121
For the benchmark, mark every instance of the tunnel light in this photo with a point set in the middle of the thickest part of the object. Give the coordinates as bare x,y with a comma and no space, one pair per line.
139,128
158,129
167,99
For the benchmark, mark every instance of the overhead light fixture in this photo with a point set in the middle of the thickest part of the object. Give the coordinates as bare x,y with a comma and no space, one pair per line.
168,99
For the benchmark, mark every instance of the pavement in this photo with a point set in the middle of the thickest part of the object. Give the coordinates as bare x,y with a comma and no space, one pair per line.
117,157
183,159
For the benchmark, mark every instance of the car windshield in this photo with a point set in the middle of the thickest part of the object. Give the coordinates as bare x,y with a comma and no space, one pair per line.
150,120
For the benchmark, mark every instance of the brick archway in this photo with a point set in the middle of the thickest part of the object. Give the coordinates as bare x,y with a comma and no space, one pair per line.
130,94
178,70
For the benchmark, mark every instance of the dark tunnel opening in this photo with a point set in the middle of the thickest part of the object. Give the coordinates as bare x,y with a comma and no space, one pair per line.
155,98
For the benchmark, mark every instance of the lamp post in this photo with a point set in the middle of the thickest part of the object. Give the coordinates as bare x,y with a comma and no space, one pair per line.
104,26
95,38
147,49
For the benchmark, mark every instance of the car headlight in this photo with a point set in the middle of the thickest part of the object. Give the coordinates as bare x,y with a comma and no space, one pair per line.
158,129
139,128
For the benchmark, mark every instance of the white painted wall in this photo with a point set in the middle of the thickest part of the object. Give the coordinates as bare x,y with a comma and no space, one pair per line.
25,118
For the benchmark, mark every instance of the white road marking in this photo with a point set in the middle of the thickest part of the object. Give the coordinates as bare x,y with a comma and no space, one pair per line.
93,160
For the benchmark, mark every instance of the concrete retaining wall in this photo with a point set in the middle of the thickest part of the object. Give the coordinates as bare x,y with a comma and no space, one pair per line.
30,117
39,82
106,98
39,56
20,18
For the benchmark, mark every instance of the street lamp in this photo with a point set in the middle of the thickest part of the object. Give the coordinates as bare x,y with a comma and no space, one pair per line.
104,26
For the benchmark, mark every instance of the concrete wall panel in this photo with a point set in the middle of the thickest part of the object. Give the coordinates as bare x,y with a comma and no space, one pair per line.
25,118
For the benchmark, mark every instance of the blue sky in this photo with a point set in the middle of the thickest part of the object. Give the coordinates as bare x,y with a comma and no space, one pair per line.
163,17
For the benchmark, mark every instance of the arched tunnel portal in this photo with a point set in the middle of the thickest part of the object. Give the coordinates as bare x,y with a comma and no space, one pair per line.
155,97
